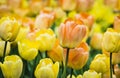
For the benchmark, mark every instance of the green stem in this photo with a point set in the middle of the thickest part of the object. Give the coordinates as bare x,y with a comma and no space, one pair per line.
4,51
71,73
113,69
110,65
65,67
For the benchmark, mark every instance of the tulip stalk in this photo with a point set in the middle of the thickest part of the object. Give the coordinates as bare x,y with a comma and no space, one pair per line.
71,73
110,65
5,47
65,67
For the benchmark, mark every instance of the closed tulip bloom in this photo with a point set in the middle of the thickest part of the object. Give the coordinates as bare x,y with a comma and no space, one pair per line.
46,39
96,41
78,56
68,5
111,41
79,76
9,28
28,49
117,23
100,63
56,53
71,33
2,44
91,74
46,69
12,66
44,20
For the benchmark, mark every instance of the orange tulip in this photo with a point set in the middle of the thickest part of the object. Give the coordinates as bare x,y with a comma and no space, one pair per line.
68,5
56,53
78,56
71,33
86,18
117,23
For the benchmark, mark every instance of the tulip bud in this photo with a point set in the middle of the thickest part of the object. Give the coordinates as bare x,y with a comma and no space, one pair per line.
56,53
44,21
96,41
111,41
9,28
91,74
68,5
78,56
12,67
100,63
46,69
117,23
71,33
2,44
46,39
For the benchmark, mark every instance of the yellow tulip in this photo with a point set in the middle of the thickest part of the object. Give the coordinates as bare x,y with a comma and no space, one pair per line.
91,74
111,41
100,63
9,28
27,49
12,66
79,76
46,69
56,53
46,39
96,41
2,44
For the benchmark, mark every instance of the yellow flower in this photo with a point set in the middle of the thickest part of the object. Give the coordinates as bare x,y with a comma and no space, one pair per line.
2,44
12,66
9,28
100,63
79,76
96,41
46,69
46,39
27,49
56,54
111,41
91,74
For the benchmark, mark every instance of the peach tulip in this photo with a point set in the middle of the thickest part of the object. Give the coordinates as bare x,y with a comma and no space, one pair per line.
56,53
117,23
87,19
78,57
71,33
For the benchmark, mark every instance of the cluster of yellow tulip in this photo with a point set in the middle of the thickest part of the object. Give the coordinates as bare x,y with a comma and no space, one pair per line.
59,39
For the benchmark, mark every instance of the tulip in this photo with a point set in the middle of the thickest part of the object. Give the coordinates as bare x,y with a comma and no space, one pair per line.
44,20
107,75
28,49
79,76
12,66
78,57
84,5
87,19
91,74
46,39
56,53
71,33
68,5
100,63
111,41
117,71
96,41
117,23
2,44
9,28
46,69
